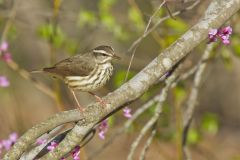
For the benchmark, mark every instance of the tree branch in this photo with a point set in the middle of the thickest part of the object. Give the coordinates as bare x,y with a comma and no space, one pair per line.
217,13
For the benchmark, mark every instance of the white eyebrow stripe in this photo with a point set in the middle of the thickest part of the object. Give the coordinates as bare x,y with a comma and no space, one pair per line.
112,48
101,51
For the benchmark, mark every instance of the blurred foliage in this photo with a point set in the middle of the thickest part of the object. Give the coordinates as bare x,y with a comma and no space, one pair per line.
226,57
210,123
119,77
236,45
193,136
166,114
56,37
180,93
105,18
237,157
53,34
87,18
12,33
136,19
111,120
177,26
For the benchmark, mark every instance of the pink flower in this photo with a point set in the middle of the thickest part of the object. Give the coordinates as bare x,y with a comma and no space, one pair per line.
52,146
212,35
102,129
5,54
7,144
41,141
13,137
4,46
212,32
75,153
223,33
101,135
4,81
7,57
1,147
127,112
227,30
225,40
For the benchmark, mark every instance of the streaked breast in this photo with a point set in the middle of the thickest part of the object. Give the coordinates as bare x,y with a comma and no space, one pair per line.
96,79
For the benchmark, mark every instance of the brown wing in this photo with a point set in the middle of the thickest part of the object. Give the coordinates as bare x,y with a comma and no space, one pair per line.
79,65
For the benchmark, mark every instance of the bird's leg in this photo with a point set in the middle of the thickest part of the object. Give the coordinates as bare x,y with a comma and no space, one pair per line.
99,99
75,97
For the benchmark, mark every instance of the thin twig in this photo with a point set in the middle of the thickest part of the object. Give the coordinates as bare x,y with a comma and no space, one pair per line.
153,15
148,143
148,30
192,100
145,31
149,124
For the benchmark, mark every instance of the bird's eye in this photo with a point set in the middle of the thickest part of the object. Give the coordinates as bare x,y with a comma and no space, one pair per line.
104,54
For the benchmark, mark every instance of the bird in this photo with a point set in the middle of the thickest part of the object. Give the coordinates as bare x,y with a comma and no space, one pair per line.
85,72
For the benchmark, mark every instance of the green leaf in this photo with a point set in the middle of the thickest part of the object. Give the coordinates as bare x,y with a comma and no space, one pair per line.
46,31
210,123
193,136
120,77
105,5
136,18
226,56
12,32
180,93
120,33
58,38
52,35
87,18
177,25
108,21
236,45
111,120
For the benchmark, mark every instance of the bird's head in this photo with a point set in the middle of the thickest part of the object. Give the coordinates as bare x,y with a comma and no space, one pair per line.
104,54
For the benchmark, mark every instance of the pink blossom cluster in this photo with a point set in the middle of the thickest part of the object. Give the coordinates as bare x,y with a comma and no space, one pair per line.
6,144
127,112
102,129
222,33
4,52
6,57
4,81
75,153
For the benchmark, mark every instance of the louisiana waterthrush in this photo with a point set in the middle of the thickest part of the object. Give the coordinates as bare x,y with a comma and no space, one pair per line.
85,72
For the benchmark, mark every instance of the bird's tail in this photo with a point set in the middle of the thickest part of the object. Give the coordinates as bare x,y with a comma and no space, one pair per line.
37,71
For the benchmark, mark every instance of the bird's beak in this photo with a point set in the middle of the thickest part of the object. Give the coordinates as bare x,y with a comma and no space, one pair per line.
116,57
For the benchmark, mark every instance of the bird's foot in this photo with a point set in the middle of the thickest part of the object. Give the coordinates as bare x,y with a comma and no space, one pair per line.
99,99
